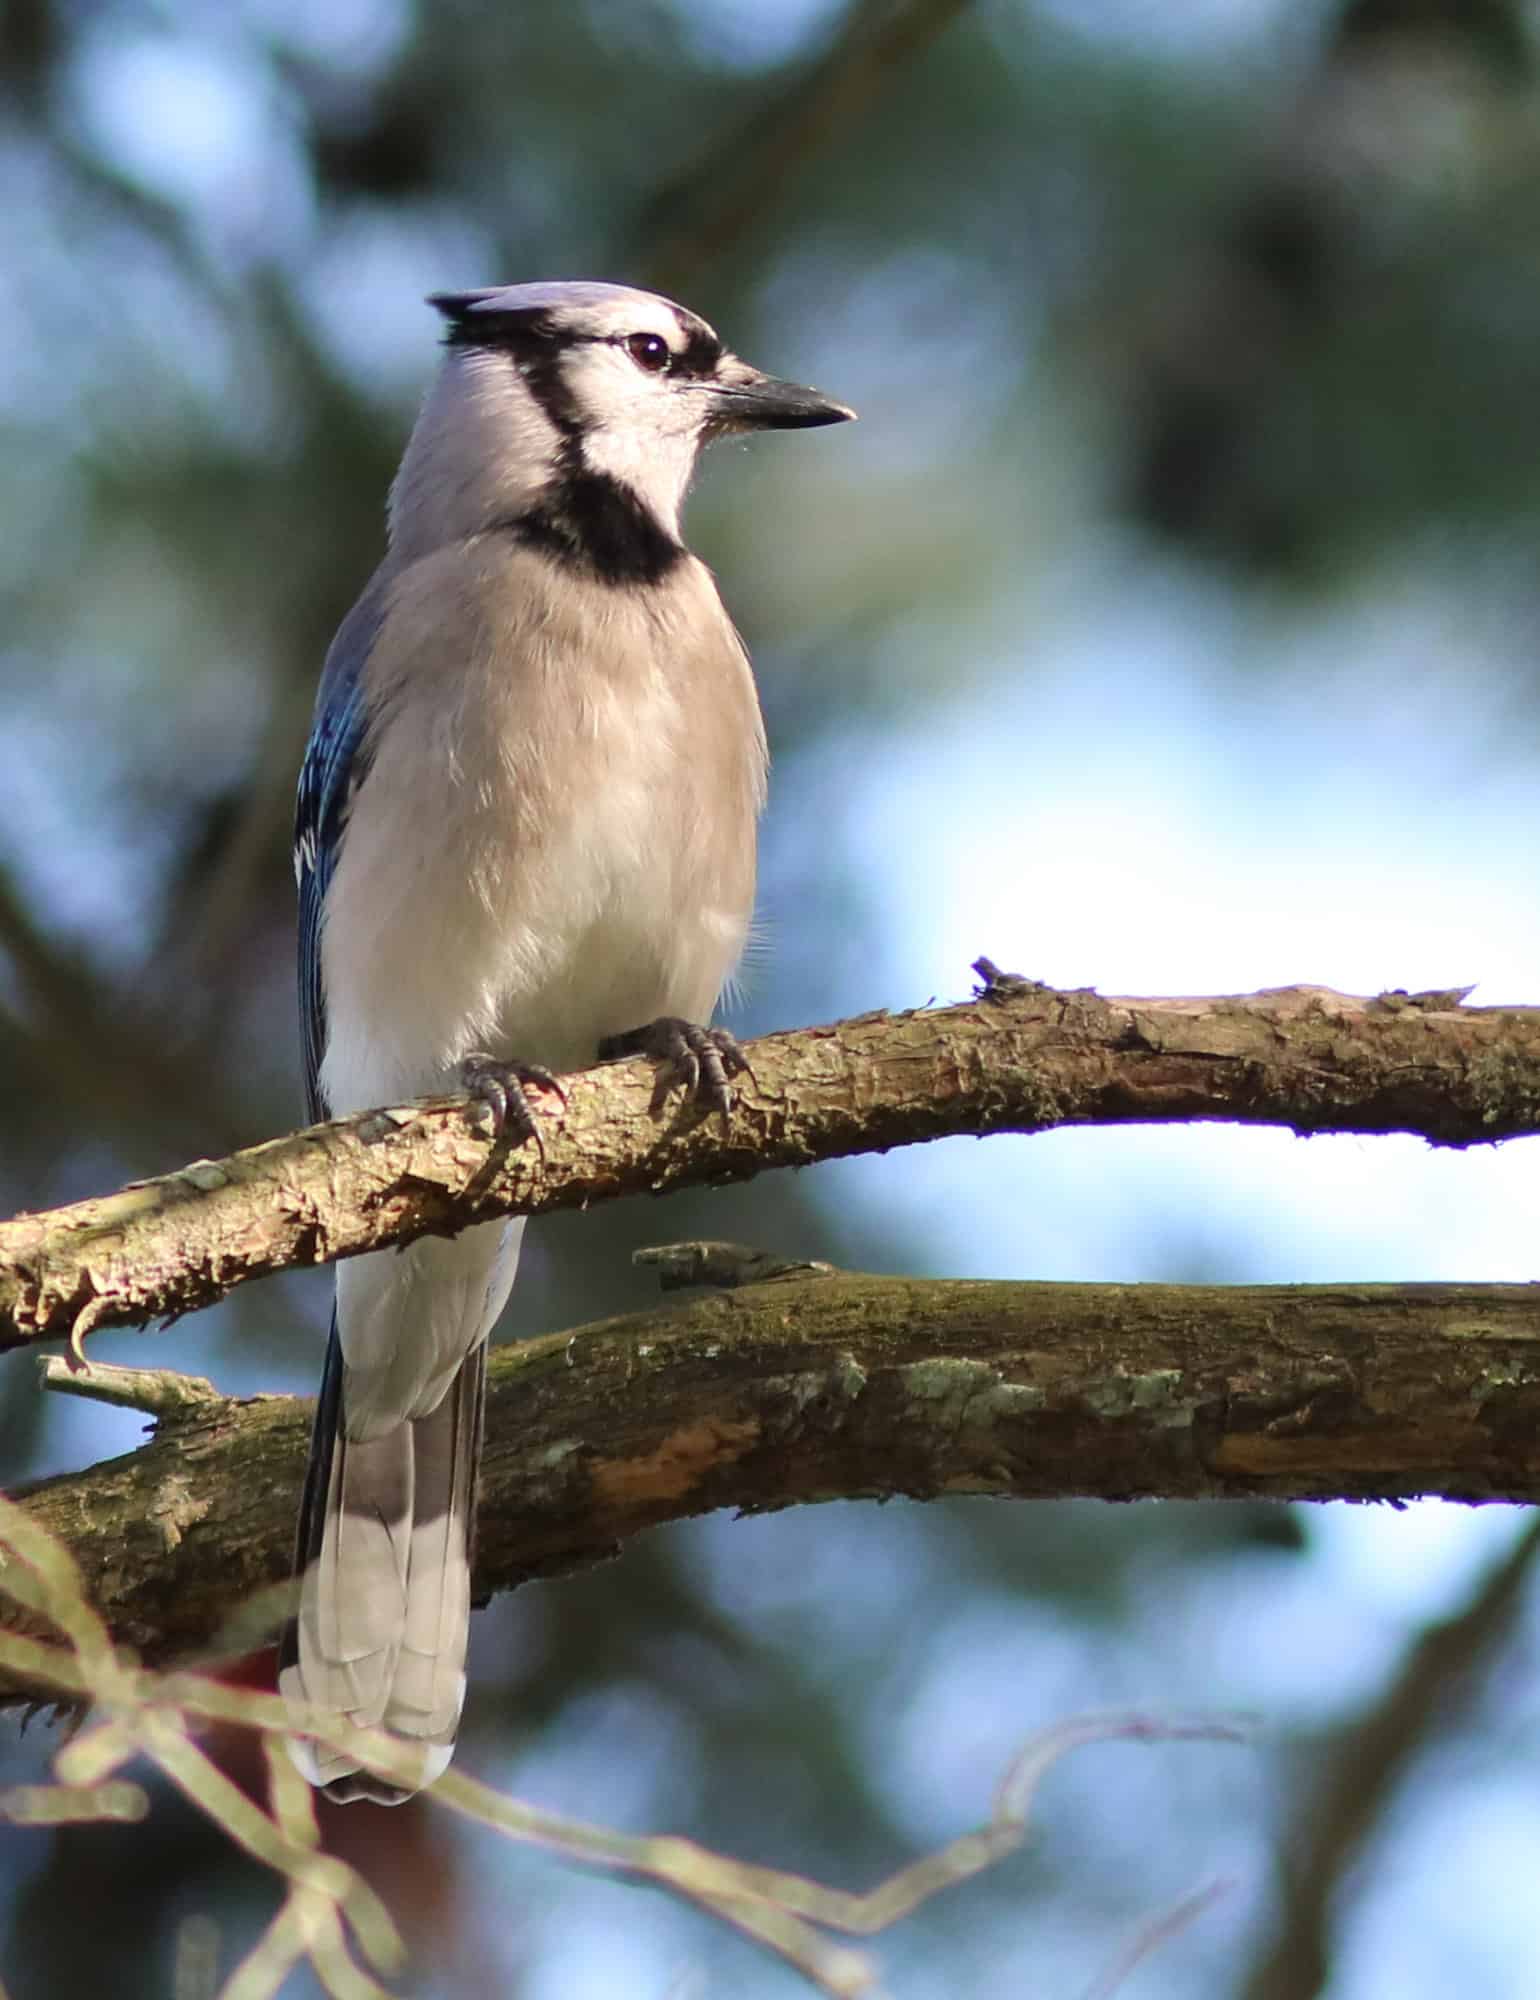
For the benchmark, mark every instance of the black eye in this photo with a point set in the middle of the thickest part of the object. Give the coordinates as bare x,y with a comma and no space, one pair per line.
649,351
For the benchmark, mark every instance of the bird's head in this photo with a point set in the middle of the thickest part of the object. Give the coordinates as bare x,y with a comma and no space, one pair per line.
578,379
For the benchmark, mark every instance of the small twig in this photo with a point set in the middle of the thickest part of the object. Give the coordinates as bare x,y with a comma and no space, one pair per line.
155,1715
1155,1932
61,1805
786,1912
159,1392
993,984
726,1266
142,1713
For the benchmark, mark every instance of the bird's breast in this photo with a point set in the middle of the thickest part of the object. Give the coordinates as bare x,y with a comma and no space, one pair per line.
553,844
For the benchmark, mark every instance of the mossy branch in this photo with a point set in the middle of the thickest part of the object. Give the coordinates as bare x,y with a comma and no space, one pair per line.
816,1386
1018,1058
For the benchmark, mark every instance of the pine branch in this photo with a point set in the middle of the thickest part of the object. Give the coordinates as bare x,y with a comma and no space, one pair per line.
1018,1058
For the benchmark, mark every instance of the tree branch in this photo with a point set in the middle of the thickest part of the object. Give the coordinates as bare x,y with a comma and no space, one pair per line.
821,1387
1018,1058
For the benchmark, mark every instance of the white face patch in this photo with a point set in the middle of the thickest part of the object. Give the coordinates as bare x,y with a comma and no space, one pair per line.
639,424
643,430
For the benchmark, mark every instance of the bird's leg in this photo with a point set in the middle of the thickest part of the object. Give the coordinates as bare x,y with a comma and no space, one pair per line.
501,1087
697,1060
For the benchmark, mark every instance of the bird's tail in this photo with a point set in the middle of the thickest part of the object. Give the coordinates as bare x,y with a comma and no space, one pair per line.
384,1568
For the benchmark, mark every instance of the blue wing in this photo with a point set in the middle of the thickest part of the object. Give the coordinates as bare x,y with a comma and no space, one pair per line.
336,763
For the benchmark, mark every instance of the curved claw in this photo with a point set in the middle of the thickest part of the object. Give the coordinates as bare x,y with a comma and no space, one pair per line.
501,1087
699,1061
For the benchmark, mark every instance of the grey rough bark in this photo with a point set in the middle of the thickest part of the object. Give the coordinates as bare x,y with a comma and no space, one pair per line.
820,1387
1020,1058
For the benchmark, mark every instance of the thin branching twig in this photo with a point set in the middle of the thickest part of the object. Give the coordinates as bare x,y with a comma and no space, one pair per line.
332,1920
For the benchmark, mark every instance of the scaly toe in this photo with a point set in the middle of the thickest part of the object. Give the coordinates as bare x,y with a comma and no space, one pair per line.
501,1087
694,1060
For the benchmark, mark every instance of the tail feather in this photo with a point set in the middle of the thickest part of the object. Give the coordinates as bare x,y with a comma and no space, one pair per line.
428,1688
384,1565
363,1575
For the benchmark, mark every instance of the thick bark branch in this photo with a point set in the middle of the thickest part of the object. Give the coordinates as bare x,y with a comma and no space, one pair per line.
829,1387
1020,1059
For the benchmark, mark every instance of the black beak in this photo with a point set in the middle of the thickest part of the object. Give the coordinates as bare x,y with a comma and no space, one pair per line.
743,399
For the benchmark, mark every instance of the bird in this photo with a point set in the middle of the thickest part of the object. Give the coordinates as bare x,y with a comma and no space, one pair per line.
524,842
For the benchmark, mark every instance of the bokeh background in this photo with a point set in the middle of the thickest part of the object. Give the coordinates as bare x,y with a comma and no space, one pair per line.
1169,623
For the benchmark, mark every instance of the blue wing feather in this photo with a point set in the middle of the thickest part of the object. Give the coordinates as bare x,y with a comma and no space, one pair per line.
336,763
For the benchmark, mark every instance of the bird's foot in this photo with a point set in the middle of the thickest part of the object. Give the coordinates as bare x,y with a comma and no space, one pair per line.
699,1061
501,1086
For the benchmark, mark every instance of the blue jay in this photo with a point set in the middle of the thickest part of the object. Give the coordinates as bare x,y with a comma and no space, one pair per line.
525,839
